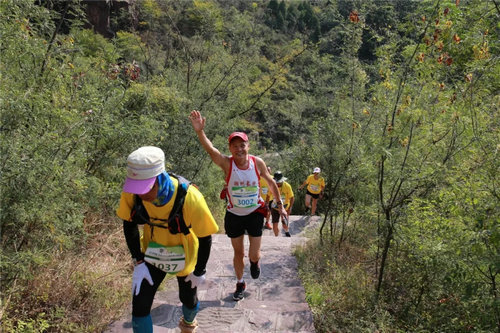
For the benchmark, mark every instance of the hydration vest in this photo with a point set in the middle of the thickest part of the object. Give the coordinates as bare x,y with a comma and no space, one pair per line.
175,222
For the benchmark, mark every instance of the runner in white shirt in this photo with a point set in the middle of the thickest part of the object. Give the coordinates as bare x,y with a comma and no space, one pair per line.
246,209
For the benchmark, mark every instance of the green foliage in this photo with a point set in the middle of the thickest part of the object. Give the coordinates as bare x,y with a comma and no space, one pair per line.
293,18
457,265
39,324
61,134
93,46
337,292
396,102
202,18
131,47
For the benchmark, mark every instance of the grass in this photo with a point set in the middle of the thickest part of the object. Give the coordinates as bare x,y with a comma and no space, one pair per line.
339,288
79,291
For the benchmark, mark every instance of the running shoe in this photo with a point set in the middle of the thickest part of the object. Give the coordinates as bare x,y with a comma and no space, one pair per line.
254,269
240,290
287,234
268,226
187,328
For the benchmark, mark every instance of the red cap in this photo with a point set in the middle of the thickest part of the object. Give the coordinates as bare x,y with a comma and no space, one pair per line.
240,135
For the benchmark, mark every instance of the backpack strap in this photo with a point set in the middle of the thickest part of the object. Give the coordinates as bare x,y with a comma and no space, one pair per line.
139,214
175,222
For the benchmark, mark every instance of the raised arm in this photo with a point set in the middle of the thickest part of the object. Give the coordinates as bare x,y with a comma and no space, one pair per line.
198,123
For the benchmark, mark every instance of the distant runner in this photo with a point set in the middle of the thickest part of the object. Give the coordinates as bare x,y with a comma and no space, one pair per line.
246,208
286,195
315,188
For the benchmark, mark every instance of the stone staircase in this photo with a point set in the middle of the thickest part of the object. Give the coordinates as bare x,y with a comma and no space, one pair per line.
273,303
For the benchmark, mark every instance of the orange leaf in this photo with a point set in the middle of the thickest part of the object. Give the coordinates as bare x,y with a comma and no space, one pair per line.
436,34
353,16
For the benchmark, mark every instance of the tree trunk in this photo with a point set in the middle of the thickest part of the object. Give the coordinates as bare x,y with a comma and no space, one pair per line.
385,251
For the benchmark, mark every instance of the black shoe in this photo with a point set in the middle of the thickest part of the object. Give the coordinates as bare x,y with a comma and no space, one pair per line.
240,289
254,269
306,210
287,234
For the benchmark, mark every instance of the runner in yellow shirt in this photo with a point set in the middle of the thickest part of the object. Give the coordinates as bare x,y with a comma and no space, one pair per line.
169,246
264,190
315,187
287,198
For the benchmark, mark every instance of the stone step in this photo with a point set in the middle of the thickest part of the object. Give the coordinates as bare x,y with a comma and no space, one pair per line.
220,291
275,302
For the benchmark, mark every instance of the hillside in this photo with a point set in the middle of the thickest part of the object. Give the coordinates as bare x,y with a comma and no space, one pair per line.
396,101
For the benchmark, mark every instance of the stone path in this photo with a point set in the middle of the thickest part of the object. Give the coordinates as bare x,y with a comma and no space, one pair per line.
273,303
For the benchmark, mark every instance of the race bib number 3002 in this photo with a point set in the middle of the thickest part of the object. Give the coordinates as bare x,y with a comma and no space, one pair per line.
170,259
245,196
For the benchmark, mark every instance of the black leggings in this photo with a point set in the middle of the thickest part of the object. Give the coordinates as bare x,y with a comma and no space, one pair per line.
142,303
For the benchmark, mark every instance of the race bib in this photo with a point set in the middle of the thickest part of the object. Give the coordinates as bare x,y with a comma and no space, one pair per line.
245,196
264,190
314,188
170,259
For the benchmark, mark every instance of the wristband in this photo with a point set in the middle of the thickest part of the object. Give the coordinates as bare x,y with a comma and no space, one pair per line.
137,262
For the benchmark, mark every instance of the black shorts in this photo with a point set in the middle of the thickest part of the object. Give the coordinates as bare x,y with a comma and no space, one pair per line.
236,225
275,214
315,196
